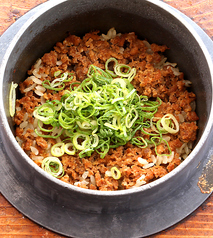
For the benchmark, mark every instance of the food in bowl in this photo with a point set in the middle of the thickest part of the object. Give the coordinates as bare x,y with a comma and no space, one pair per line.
106,112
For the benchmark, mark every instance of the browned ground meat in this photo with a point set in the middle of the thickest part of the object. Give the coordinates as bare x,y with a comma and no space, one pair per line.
154,78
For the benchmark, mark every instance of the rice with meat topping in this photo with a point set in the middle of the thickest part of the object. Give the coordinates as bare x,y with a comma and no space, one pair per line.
128,165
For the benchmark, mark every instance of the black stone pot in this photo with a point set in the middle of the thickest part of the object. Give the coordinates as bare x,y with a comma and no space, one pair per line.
77,212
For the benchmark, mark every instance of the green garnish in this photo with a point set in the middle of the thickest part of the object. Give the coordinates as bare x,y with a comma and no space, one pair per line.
103,112
12,99
53,166
57,84
116,174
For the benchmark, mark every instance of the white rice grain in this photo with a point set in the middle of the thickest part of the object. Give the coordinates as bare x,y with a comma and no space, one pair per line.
184,115
35,80
23,124
49,145
56,131
34,150
110,34
92,180
108,173
181,118
184,156
85,174
193,105
190,145
59,62
166,138
170,64
41,88
187,83
154,159
121,50
19,140
35,123
29,88
39,93
163,159
35,73
37,157
37,66
25,129
37,63
161,63
42,99
149,165
146,43
58,140
25,116
140,181
142,161
84,182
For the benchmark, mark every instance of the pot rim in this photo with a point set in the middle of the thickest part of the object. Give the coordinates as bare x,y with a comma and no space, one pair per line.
53,3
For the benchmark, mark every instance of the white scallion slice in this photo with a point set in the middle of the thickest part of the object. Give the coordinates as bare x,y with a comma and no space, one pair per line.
12,99
53,166
66,148
57,149
170,123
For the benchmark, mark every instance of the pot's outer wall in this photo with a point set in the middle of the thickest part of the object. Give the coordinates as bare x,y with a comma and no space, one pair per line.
79,17
111,209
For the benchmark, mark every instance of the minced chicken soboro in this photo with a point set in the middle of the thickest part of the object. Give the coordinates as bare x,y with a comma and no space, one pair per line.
129,165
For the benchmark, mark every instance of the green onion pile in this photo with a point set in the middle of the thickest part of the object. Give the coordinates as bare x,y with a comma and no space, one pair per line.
103,112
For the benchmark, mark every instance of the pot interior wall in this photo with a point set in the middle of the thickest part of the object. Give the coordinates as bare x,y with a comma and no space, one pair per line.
146,19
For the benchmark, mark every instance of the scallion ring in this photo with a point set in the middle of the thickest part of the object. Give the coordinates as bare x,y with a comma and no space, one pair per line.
66,148
81,141
170,123
57,73
57,150
116,174
121,68
115,62
53,166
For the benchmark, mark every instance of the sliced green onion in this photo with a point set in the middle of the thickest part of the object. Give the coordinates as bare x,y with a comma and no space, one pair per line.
85,125
131,117
53,166
45,113
140,142
107,66
170,123
66,121
157,141
103,112
120,81
84,141
12,99
66,148
57,73
95,140
116,174
131,74
119,70
44,129
49,135
57,84
57,150
46,84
